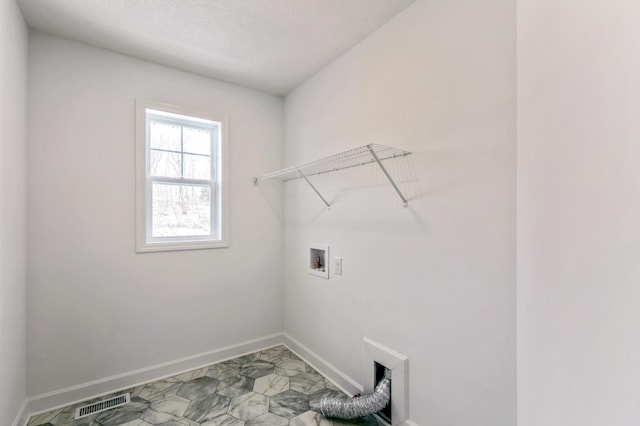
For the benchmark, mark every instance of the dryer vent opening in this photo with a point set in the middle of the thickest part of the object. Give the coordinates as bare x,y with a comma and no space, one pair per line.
365,405
376,359
379,371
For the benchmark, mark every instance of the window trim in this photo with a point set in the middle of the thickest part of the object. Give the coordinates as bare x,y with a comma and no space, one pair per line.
144,182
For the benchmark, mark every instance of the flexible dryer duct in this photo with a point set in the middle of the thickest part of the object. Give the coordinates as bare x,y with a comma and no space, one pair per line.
361,406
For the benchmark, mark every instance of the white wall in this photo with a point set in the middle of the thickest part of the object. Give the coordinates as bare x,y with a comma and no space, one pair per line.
578,212
436,281
96,308
13,157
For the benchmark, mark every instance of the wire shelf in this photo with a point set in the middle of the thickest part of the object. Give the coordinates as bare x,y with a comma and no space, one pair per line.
367,154
343,160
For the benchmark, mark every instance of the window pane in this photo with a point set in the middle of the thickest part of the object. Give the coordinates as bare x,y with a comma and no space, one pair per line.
197,167
197,141
180,210
164,136
162,163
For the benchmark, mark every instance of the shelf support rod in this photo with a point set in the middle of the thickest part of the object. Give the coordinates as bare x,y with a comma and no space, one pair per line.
375,157
314,188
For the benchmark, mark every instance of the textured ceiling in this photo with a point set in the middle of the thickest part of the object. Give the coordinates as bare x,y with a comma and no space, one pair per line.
271,45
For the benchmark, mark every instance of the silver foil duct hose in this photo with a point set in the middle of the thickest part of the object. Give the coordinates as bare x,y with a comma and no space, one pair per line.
360,406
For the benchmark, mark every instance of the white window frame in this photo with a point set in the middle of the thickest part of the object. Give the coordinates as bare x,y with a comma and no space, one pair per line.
220,184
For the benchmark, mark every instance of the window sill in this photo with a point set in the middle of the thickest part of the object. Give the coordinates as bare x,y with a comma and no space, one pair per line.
180,245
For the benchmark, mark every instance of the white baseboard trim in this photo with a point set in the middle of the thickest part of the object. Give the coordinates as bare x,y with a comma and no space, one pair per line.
71,395
60,398
344,382
21,416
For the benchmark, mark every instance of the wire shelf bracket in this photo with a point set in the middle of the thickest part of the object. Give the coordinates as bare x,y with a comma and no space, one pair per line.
367,154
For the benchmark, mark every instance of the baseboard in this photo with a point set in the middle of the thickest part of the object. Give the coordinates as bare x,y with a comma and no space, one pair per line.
74,394
21,416
344,382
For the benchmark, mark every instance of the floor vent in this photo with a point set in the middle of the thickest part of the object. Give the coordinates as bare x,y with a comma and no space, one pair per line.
104,405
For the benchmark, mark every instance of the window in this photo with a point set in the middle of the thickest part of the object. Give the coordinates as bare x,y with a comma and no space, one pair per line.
181,179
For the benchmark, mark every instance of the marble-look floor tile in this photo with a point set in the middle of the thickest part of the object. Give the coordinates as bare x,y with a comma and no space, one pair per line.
131,411
207,408
225,420
271,385
274,358
291,364
198,388
167,409
306,383
180,422
286,373
312,372
224,370
277,352
155,417
360,421
137,423
289,404
248,358
257,369
65,417
174,404
136,391
248,406
43,418
159,390
330,385
310,418
267,419
294,356
193,374
235,386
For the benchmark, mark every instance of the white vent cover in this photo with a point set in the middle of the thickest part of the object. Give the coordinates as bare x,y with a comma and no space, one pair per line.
104,405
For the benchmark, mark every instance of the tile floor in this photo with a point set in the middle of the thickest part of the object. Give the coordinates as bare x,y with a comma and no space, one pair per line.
271,387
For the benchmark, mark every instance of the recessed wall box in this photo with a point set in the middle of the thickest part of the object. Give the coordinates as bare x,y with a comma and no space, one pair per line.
318,260
375,359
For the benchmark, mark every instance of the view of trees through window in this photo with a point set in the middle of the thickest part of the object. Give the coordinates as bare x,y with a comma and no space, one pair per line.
180,210
180,166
